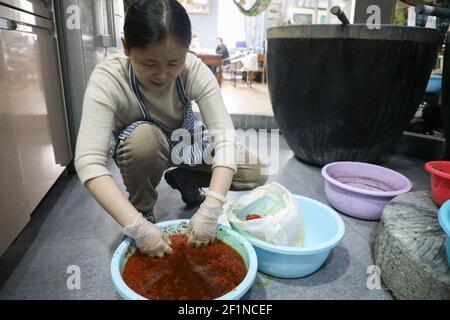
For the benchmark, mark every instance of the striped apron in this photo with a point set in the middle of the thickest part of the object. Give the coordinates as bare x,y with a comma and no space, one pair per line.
189,145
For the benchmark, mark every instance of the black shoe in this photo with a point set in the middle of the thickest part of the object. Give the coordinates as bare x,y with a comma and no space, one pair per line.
179,180
149,216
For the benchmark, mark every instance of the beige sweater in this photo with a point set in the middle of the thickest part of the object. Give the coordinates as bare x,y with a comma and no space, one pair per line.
109,103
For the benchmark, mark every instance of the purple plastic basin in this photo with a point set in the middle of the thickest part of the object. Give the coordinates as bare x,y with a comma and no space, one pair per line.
362,190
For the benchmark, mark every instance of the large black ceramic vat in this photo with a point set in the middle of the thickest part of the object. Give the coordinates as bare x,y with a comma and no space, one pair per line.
344,92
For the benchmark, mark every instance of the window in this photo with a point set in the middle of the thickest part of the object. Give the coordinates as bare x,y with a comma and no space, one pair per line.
197,6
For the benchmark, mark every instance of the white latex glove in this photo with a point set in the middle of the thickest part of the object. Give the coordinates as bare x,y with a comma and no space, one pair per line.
149,239
203,226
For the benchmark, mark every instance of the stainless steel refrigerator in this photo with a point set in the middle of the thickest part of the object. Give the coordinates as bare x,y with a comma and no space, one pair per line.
84,46
45,65
34,139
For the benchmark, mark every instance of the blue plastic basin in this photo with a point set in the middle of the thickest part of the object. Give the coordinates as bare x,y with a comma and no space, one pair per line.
434,84
324,230
444,220
127,248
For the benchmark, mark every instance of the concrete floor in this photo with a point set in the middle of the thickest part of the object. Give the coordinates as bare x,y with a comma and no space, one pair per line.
245,100
70,229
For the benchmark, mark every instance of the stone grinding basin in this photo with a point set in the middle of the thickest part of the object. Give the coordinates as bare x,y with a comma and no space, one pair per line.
346,93
230,237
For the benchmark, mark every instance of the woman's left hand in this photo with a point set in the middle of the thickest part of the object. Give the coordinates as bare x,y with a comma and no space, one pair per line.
203,225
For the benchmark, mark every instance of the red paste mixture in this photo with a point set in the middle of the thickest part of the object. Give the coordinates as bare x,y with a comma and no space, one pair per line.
188,274
253,217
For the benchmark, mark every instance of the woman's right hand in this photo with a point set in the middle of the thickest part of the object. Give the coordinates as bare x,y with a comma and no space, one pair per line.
150,240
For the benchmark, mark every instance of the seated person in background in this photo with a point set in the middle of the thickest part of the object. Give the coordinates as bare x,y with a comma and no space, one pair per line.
222,50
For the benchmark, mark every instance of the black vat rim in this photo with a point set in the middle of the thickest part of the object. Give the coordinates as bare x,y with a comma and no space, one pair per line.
356,31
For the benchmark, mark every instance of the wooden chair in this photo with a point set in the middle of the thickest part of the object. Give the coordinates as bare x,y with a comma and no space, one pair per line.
236,69
226,68
244,66
262,67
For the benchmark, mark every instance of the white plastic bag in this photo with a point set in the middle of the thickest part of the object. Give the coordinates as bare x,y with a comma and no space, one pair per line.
281,221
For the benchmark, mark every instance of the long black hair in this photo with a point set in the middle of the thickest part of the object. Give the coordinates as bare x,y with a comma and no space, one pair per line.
150,21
